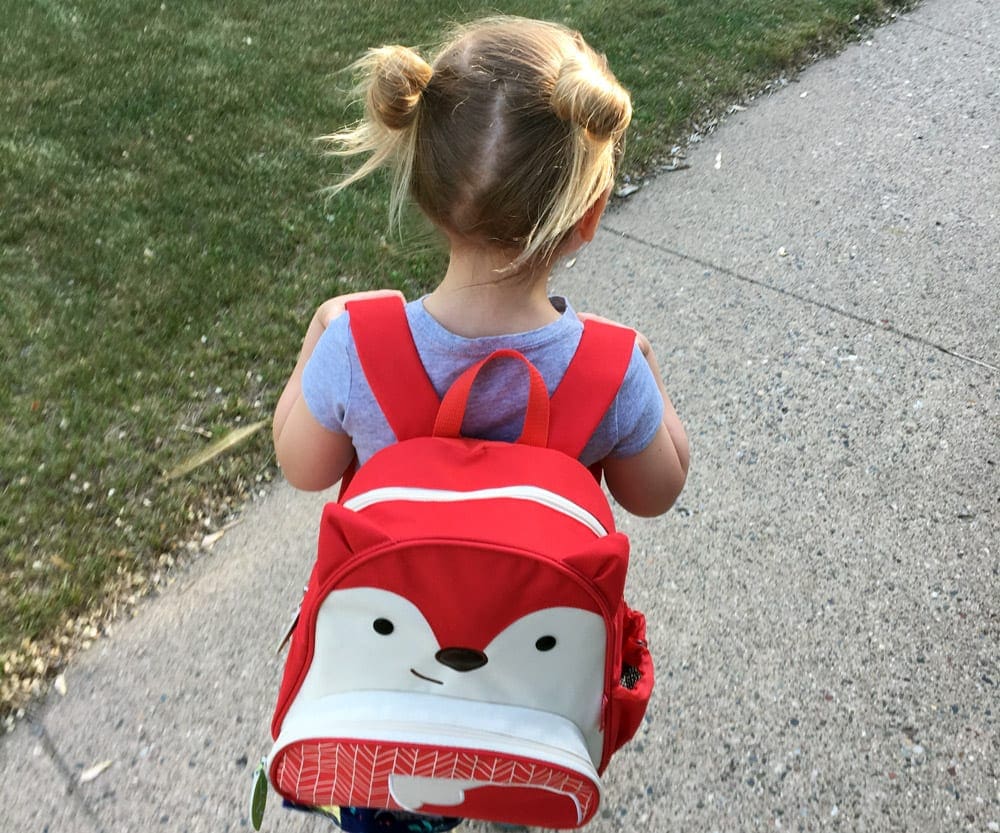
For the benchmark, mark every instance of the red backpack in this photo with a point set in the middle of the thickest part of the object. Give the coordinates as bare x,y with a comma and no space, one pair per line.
463,648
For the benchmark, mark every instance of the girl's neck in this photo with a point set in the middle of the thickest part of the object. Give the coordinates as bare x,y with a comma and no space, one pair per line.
473,300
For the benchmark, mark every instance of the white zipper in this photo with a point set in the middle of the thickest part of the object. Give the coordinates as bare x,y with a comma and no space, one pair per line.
462,737
436,734
532,494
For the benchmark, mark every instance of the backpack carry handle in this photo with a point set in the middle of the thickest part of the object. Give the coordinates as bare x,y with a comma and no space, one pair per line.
536,414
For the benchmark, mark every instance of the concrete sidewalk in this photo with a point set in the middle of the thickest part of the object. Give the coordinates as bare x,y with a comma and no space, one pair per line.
821,286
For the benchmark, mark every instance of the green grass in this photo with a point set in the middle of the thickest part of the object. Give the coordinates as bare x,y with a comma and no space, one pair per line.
163,241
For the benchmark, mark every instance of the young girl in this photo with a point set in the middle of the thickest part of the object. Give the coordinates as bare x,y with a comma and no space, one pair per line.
508,143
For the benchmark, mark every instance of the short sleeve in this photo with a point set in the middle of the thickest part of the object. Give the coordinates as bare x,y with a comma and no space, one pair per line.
638,408
326,378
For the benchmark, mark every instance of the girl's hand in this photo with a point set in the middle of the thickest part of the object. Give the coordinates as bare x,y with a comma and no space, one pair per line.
333,307
641,341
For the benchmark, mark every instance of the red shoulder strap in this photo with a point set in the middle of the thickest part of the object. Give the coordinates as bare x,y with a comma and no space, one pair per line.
392,366
590,385
406,396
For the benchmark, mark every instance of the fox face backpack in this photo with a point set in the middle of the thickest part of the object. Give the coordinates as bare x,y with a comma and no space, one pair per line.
463,648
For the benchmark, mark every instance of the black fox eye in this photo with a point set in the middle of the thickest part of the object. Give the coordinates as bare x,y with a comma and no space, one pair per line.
383,626
545,643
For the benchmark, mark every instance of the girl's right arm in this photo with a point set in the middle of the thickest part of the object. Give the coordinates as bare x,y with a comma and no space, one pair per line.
648,483
311,456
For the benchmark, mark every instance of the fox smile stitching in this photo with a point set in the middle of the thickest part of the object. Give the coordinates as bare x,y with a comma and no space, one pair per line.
422,677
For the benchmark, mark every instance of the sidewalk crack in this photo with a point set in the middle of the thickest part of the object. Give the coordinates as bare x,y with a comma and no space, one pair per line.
940,31
38,729
861,319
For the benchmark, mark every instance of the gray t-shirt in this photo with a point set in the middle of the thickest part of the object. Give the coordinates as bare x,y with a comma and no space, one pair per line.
338,395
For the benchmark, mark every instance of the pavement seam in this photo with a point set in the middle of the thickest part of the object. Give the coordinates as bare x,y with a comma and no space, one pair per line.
956,35
871,322
48,745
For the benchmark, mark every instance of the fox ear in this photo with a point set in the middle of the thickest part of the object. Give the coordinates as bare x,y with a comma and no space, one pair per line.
343,533
606,564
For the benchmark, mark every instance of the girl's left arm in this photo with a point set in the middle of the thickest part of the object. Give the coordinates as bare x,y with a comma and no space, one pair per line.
311,456
648,483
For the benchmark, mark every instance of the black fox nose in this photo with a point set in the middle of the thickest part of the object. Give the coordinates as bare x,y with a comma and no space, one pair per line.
461,659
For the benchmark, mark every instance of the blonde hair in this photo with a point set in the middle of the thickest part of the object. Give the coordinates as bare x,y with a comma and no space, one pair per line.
507,137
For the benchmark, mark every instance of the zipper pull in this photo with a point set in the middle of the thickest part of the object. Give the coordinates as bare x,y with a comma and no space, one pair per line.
288,633
291,628
258,797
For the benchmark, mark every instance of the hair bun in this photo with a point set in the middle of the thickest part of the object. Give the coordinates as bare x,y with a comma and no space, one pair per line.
589,96
398,76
